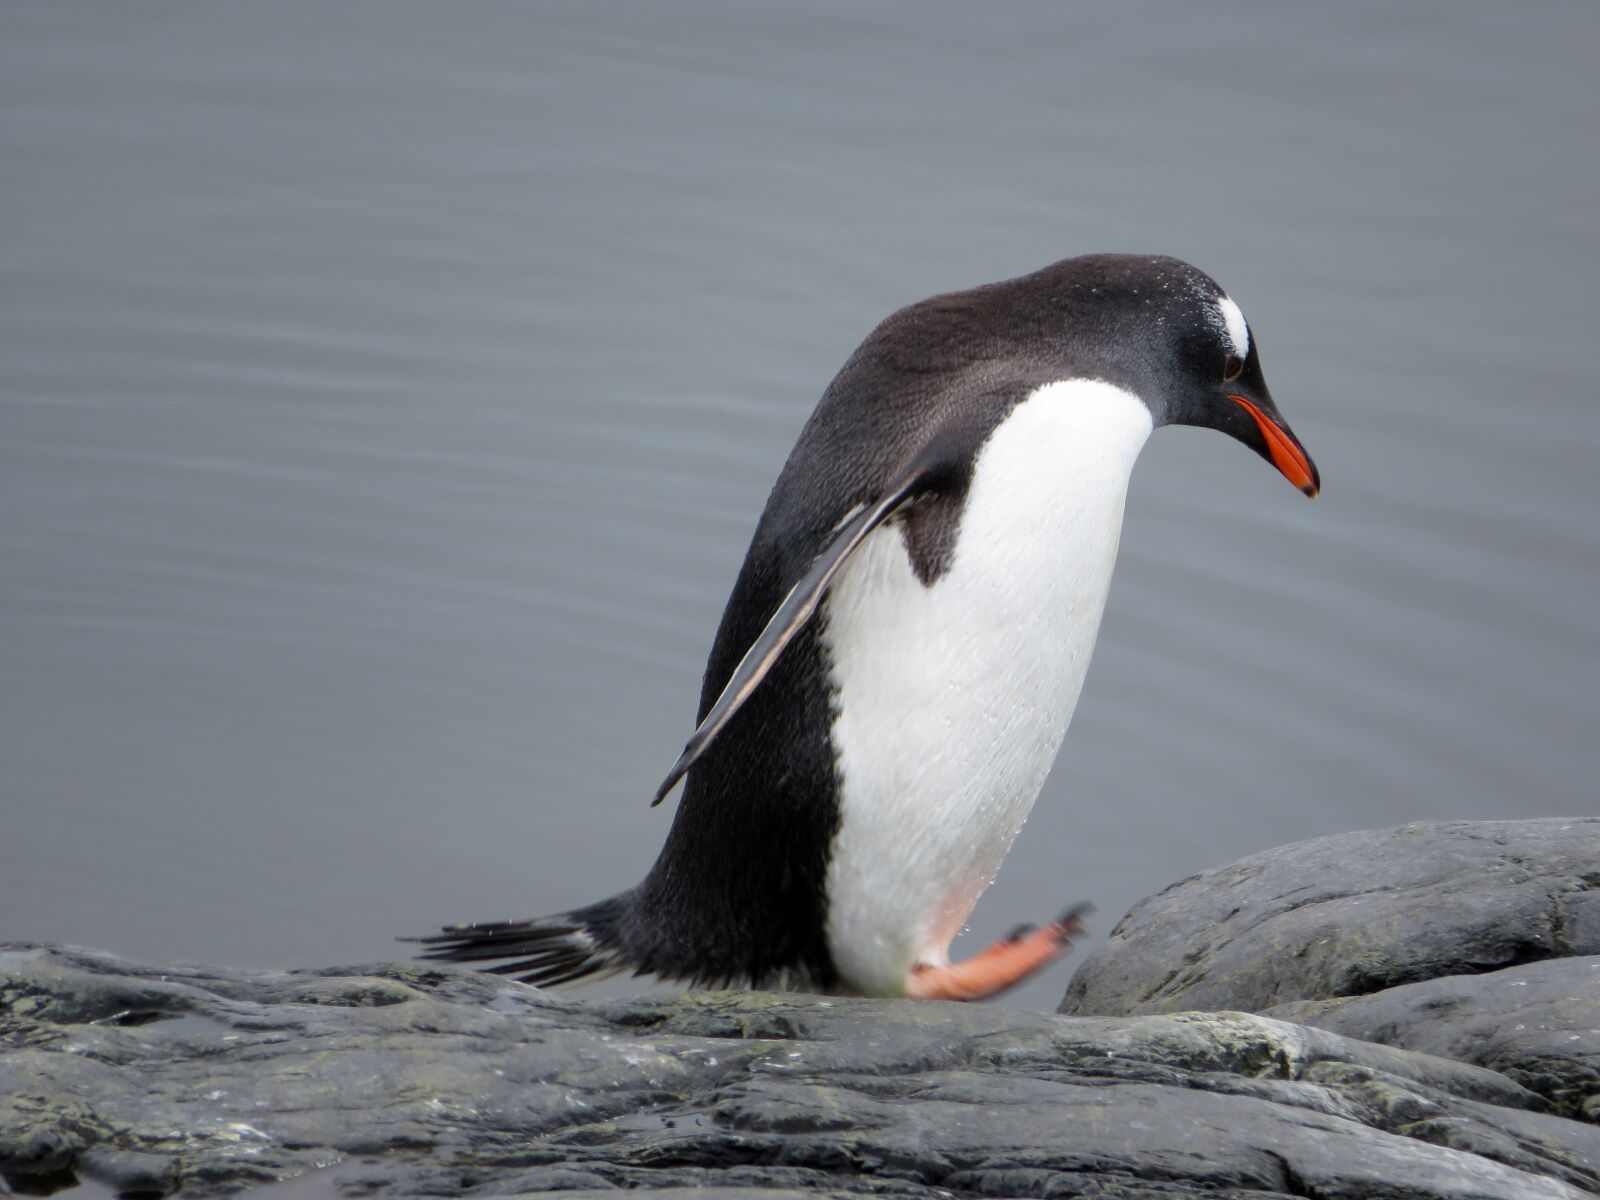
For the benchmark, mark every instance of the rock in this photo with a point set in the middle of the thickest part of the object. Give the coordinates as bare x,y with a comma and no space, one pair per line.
1351,915
425,1080
1537,1024
1473,941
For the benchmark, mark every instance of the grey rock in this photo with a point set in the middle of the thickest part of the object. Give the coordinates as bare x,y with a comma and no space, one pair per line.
1537,1024
421,1080
1351,915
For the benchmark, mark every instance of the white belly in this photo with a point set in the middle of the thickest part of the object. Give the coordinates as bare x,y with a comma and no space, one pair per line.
953,699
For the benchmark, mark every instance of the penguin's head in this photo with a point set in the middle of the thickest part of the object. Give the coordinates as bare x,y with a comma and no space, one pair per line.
1219,385
1168,332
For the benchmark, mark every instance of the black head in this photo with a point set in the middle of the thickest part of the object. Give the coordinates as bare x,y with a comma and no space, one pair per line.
1164,331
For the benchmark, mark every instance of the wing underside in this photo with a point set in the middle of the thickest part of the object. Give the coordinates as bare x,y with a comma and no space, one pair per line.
798,607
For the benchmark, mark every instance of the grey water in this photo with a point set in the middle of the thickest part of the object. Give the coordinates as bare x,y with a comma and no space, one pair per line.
388,393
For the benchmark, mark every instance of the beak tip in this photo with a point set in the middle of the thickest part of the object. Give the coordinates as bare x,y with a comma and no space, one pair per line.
1312,487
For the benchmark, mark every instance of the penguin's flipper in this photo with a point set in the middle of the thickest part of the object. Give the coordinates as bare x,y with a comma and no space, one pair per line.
930,473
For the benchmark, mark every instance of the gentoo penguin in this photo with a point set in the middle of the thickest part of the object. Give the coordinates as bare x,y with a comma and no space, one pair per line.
907,637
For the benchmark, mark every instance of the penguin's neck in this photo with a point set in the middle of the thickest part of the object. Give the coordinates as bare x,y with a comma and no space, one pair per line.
952,697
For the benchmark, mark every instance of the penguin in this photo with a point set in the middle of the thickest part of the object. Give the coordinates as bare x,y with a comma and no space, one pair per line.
907,638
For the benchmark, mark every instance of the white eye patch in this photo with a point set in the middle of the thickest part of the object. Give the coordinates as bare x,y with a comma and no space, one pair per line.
1234,328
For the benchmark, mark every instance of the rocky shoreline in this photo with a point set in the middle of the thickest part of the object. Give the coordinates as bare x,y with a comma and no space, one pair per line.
1412,1013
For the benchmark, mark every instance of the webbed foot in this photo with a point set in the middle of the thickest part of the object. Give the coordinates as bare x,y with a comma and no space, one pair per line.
1002,965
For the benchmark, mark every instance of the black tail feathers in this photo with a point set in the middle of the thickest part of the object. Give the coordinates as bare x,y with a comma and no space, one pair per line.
544,951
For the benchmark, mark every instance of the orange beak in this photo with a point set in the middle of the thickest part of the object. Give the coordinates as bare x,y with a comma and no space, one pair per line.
1286,453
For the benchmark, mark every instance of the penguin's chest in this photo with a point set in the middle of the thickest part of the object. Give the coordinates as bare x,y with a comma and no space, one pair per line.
952,698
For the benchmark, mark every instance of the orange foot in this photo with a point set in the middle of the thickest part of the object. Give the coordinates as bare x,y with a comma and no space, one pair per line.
1000,966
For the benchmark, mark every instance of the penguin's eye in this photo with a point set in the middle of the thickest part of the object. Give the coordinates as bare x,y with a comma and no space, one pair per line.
1233,368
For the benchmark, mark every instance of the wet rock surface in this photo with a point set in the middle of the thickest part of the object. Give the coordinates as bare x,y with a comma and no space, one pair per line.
1538,1025
1375,1066
1352,915
1474,941
411,1080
